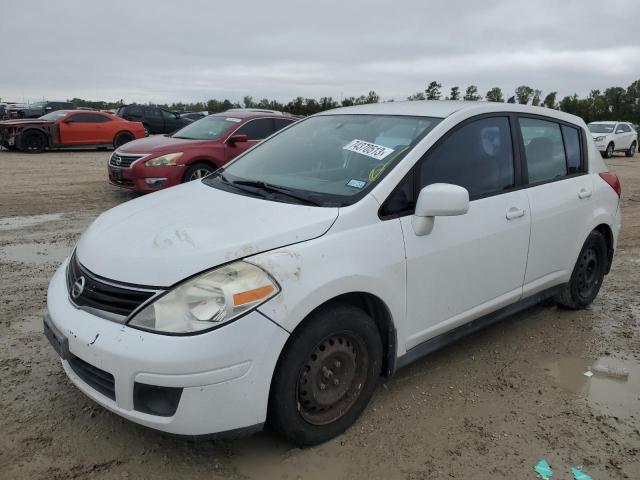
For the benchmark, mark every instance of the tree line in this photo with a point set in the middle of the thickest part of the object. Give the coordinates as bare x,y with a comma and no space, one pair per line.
614,103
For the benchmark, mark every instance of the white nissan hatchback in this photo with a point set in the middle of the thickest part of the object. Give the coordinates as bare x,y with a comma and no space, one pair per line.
281,288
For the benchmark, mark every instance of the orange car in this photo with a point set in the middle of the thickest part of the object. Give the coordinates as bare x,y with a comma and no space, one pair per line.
69,128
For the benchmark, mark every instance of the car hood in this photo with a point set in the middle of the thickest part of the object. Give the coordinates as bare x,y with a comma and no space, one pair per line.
164,237
594,135
21,121
160,143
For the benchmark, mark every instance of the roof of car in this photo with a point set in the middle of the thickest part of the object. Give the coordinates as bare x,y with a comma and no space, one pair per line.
252,113
445,108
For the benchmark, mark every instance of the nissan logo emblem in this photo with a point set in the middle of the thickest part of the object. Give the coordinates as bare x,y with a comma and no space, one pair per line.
77,288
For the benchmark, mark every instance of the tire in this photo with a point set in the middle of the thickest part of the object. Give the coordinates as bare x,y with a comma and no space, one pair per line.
33,142
588,274
197,171
608,153
632,150
121,139
326,375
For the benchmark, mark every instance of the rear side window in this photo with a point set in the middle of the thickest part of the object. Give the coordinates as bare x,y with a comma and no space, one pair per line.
572,148
256,129
544,149
478,156
153,112
280,123
134,111
88,118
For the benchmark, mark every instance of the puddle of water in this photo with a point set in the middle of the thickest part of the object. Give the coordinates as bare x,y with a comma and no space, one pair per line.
35,253
14,223
619,396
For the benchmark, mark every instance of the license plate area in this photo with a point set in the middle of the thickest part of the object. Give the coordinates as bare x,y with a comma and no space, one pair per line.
116,174
58,341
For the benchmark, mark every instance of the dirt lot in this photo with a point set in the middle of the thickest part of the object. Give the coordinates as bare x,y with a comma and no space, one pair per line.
488,407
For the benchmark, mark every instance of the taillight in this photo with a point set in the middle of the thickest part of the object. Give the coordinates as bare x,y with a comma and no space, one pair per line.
613,181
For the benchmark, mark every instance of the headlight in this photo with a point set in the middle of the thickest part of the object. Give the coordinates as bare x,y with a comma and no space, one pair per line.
208,300
164,161
600,138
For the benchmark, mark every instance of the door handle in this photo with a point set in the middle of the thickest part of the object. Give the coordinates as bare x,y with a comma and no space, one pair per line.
584,193
515,212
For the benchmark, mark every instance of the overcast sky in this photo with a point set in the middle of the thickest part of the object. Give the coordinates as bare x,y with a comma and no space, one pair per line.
189,50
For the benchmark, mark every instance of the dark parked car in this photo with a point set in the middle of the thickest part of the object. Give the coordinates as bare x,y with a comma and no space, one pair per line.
191,115
154,119
36,110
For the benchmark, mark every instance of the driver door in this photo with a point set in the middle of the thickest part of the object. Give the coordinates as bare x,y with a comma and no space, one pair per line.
471,264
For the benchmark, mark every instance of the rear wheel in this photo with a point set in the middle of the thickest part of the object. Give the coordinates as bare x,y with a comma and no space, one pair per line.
632,150
33,142
121,139
197,171
326,375
588,273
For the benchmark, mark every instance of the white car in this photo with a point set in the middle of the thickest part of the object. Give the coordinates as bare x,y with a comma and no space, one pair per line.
614,137
283,287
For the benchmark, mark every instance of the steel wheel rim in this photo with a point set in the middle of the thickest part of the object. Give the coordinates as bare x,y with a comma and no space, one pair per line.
588,269
332,378
199,173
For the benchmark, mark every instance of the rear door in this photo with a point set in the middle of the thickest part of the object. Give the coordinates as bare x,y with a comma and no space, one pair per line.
559,192
627,136
256,130
471,264
154,120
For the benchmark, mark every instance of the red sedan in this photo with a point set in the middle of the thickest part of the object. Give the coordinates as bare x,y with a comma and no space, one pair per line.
69,128
192,152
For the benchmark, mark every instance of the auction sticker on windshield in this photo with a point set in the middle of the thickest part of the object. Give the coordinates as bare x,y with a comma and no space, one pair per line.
369,149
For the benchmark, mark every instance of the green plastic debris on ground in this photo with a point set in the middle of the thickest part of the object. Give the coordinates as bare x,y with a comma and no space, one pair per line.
578,475
543,469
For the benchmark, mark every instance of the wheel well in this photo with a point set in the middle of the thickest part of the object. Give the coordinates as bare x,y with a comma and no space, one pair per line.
378,311
606,232
27,131
123,131
200,160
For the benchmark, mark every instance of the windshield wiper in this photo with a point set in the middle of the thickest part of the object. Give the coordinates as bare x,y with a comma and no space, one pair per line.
274,189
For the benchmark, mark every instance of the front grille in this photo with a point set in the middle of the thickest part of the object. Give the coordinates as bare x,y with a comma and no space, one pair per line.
102,294
124,161
97,379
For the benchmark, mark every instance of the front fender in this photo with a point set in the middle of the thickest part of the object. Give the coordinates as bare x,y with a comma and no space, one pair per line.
369,259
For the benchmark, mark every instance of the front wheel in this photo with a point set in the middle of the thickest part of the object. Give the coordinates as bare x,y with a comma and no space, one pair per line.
588,274
632,150
34,142
197,171
608,153
326,375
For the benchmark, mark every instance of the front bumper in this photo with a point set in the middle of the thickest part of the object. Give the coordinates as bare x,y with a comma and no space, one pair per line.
225,374
135,178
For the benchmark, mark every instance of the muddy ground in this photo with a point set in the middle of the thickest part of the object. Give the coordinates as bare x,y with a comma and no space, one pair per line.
488,407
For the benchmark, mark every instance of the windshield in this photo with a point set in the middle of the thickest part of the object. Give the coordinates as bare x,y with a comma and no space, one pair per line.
53,116
207,128
601,127
329,159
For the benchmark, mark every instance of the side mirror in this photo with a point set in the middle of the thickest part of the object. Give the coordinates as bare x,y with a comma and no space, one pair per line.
620,131
438,200
233,139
